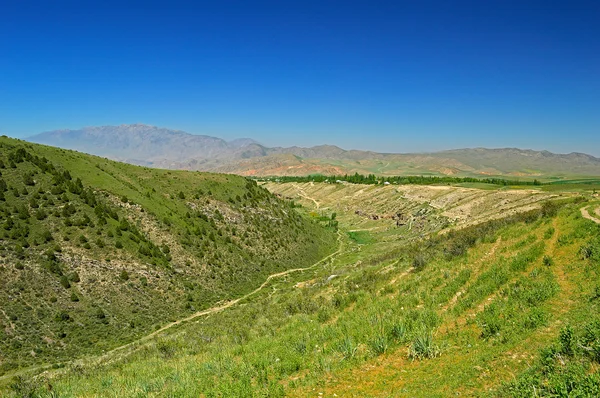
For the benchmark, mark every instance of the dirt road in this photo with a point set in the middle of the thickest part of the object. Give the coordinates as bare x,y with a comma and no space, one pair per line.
586,214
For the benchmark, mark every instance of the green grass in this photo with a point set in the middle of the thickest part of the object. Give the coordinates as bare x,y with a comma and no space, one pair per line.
398,312
289,340
361,237
95,253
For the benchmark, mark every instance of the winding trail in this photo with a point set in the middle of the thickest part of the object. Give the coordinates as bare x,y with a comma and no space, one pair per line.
586,214
95,360
305,196
231,303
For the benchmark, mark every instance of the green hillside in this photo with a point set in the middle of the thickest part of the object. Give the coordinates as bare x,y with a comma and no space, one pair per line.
95,253
433,290
505,308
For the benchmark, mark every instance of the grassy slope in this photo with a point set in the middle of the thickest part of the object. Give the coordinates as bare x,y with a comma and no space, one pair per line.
481,303
91,265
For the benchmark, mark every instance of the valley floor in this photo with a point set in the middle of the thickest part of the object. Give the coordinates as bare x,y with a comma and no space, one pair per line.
398,310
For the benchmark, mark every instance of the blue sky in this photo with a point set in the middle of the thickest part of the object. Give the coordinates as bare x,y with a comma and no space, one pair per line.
388,76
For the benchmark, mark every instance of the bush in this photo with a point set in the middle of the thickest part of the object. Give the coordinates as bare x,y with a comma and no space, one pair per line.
63,316
64,281
47,236
567,341
74,277
166,349
23,387
124,275
549,209
419,261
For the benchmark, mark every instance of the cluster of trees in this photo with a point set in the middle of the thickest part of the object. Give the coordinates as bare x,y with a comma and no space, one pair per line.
401,180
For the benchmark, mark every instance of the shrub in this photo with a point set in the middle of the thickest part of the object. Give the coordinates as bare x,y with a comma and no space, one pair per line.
64,281
47,236
567,341
74,277
124,275
166,349
63,316
549,209
419,261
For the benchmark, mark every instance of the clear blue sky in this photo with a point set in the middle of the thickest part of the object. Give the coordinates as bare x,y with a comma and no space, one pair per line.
389,76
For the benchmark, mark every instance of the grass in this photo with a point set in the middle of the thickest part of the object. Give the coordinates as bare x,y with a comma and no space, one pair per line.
469,319
95,253
361,237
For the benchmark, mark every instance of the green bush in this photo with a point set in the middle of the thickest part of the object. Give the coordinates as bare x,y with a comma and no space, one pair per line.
124,275
64,281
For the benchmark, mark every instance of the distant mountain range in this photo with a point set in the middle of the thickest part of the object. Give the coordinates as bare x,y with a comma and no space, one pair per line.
165,148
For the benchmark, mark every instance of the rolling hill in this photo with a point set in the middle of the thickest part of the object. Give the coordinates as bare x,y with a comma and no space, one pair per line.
95,253
164,148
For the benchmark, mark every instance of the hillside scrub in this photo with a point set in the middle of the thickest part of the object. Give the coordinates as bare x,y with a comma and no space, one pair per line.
141,258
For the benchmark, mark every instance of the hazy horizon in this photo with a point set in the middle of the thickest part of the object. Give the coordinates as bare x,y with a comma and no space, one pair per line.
230,139
391,77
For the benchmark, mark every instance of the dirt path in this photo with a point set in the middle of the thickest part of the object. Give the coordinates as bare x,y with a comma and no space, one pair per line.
586,214
305,196
232,302
363,229
101,358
